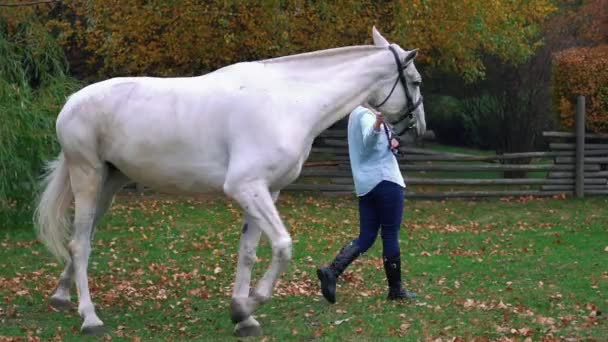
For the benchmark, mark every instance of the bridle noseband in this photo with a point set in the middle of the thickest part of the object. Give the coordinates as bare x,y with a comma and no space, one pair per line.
410,105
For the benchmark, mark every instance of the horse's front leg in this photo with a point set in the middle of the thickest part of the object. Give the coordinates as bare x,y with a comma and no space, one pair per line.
258,204
250,237
246,325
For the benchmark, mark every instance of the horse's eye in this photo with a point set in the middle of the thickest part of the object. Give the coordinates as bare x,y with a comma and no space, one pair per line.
416,83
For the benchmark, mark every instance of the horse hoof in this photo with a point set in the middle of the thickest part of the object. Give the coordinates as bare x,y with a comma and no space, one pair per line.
237,312
94,330
254,330
61,304
249,332
241,308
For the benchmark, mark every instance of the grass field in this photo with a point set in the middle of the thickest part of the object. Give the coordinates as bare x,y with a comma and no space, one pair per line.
162,269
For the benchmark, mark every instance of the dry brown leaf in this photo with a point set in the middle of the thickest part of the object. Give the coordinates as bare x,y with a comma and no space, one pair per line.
545,320
469,303
502,305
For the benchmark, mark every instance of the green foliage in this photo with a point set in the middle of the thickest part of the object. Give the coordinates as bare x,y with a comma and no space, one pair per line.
33,88
447,120
469,122
485,114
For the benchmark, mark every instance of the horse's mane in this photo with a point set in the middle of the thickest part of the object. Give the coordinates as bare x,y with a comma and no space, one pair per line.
344,52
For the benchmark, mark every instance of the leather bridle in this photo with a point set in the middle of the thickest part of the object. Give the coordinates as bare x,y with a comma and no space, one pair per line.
410,105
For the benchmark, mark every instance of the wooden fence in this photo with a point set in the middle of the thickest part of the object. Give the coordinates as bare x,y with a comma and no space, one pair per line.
576,164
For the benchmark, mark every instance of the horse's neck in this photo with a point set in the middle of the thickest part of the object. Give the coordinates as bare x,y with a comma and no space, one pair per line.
346,77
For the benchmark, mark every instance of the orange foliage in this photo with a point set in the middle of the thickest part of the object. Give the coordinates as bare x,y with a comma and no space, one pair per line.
186,37
583,71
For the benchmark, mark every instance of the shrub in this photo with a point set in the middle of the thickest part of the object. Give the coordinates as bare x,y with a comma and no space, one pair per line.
469,122
446,120
582,71
32,91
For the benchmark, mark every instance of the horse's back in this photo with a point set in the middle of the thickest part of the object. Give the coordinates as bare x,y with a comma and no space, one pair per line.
179,134
149,128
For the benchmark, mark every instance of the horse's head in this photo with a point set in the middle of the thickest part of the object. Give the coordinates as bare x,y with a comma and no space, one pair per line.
400,103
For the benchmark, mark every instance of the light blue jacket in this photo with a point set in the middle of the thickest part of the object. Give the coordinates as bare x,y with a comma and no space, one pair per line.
371,160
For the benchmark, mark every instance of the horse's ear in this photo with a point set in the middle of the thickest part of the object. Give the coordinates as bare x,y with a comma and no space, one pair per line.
411,55
378,39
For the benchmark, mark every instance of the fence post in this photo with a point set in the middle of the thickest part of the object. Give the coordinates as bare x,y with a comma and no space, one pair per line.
580,147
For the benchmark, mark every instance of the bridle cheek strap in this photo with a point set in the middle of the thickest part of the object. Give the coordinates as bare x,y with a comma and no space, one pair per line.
411,106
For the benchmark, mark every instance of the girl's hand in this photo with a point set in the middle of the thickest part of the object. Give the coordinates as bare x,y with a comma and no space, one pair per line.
394,144
379,121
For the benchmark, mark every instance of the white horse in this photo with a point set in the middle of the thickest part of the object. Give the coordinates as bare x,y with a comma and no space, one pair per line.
245,129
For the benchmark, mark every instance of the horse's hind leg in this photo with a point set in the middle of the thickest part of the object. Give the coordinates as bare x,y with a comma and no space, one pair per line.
87,178
112,182
60,299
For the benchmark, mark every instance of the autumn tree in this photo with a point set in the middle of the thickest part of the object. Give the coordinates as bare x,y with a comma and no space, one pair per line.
185,37
455,35
521,93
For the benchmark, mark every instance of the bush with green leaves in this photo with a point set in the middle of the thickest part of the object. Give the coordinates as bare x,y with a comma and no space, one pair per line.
33,87
446,120
485,114
471,122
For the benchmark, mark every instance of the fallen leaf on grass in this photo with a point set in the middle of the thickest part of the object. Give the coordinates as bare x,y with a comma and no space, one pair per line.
522,331
567,319
469,303
404,327
502,330
501,305
556,296
545,320
340,321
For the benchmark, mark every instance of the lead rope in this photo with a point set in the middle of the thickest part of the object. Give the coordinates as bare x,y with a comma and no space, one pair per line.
389,138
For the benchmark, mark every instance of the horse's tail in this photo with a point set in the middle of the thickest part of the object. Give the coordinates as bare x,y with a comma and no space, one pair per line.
51,217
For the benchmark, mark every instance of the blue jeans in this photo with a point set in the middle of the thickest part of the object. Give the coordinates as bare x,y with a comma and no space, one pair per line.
381,207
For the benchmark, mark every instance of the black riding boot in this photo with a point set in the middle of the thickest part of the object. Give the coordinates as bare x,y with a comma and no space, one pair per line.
329,274
392,267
